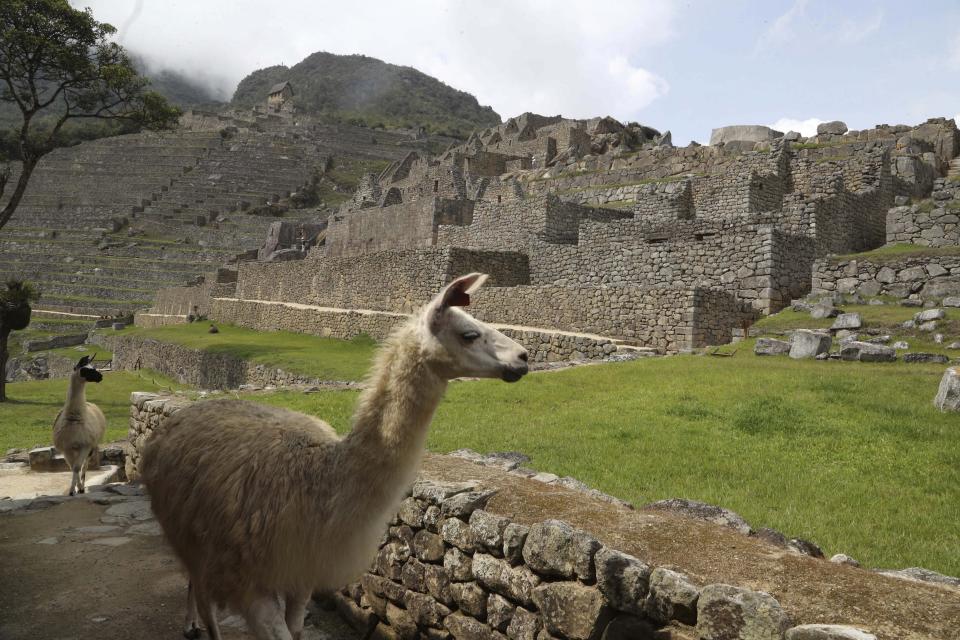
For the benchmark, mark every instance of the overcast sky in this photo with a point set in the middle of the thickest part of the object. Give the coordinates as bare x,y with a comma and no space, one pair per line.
680,66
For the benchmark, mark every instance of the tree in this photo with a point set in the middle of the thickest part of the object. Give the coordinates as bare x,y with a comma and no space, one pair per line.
57,66
14,316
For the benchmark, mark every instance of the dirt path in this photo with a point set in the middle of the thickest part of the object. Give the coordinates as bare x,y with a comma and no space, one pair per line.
81,570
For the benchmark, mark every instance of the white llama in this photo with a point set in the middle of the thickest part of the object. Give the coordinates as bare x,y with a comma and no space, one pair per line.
80,425
265,505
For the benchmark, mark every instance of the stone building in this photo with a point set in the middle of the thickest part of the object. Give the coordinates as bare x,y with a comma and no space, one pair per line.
280,97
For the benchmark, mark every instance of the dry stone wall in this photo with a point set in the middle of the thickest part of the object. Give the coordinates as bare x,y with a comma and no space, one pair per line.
196,367
400,281
935,223
931,277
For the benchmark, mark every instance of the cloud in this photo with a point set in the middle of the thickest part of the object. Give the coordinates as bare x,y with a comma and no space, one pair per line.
552,56
783,29
855,31
806,128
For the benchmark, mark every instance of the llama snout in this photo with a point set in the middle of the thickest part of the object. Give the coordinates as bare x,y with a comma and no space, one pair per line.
517,368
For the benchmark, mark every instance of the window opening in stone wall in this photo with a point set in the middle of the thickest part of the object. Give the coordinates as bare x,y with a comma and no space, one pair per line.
656,239
436,186
700,237
499,199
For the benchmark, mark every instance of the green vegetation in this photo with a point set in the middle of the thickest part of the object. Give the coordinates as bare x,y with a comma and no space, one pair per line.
338,184
323,358
890,253
60,67
364,91
851,455
27,416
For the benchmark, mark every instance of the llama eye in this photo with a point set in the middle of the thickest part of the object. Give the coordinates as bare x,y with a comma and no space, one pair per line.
470,336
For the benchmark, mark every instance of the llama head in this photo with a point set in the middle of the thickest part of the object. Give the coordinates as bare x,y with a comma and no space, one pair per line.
85,369
458,345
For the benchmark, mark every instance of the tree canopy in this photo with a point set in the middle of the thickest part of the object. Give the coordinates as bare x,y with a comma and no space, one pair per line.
59,67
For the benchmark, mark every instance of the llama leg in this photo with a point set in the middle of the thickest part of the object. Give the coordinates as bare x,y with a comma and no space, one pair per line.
84,459
191,625
75,481
208,612
265,619
296,610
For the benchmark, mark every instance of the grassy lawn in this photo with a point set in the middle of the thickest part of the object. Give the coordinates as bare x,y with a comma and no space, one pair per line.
26,419
851,455
324,358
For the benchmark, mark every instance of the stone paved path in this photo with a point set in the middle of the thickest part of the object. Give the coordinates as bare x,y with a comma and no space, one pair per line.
96,566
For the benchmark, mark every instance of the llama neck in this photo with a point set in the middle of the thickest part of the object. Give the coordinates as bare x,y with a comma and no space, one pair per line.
76,395
393,417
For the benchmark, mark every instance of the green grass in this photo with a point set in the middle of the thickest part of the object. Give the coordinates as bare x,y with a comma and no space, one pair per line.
894,252
324,358
851,455
26,419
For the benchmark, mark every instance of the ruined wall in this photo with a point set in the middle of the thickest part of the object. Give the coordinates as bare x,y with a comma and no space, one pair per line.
399,281
544,345
932,277
196,367
514,224
658,318
933,223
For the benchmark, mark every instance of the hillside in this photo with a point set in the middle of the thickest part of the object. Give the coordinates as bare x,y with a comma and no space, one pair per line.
362,90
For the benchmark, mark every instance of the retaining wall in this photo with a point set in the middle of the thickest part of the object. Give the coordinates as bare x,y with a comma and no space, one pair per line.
930,276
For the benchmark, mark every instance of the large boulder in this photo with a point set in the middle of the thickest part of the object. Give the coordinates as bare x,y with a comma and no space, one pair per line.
744,132
928,315
917,356
847,321
835,127
771,347
823,310
867,352
808,344
572,610
948,396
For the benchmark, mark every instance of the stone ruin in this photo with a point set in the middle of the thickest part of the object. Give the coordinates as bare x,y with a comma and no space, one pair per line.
602,237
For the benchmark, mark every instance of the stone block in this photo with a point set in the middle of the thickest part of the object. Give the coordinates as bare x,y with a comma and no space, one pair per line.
411,512
928,315
470,598
459,565
725,612
808,344
847,321
436,492
934,358
823,310
466,628
524,625
424,610
572,610
462,505
428,546
499,612
402,622
835,127
623,580
672,597
361,620
555,549
948,395
457,533
488,530
516,583
951,301
867,352
514,537
771,347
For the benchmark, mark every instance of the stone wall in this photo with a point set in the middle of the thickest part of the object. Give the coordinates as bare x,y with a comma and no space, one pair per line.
544,345
399,281
196,367
933,223
514,224
929,276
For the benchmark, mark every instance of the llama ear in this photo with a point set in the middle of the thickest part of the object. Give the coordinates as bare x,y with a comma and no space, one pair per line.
84,361
457,293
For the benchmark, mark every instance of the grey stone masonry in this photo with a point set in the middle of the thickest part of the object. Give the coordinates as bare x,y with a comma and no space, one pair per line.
932,277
